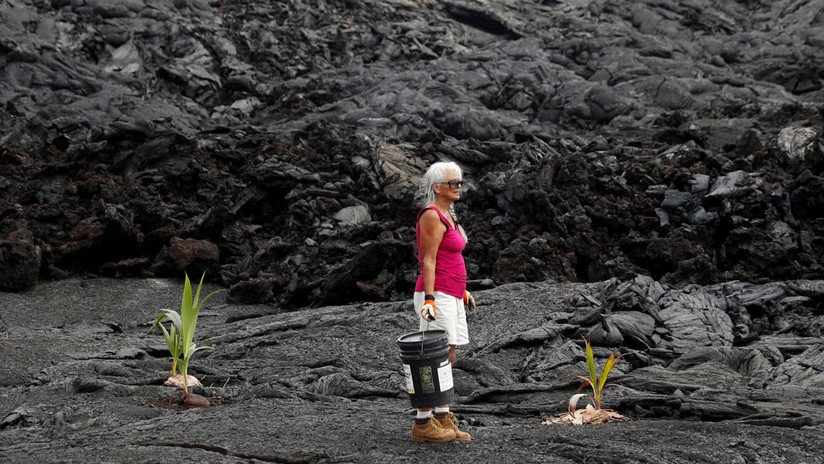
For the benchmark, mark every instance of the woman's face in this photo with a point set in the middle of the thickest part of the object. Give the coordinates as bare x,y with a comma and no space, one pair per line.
450,188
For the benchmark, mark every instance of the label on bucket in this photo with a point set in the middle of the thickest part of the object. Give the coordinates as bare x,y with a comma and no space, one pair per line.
407,373
427,383
445,376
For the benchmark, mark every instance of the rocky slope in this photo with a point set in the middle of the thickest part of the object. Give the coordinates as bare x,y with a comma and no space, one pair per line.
276,144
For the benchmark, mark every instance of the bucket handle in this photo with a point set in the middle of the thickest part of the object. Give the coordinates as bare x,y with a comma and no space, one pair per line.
423,335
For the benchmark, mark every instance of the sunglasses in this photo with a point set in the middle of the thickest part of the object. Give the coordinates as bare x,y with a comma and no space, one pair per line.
454,183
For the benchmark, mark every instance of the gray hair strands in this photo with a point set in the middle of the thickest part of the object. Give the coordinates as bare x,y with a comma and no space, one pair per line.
436,174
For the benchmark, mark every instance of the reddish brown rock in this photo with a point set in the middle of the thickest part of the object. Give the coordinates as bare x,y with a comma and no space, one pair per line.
185,252
131,266
196,401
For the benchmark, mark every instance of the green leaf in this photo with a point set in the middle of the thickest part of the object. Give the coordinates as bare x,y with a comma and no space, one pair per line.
172,316
160,318
171,341
593,377
611,362
203,303
188,315
193,348
197,294
187,294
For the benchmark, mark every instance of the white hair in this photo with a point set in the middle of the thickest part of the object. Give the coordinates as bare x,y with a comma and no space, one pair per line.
436,174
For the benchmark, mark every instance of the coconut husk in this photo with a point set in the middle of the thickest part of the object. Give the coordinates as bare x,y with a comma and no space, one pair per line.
196,401
177,381
589,415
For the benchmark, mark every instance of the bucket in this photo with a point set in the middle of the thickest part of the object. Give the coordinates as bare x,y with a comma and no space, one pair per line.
425,358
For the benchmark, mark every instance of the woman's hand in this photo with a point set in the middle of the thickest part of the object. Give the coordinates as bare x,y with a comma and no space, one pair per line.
469,301
428,310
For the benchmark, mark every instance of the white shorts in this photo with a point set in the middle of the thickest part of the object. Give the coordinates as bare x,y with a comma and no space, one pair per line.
451,317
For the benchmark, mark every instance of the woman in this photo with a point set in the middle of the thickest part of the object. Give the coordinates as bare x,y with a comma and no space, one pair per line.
440,292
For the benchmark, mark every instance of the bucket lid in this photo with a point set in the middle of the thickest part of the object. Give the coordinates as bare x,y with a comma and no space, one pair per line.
423,337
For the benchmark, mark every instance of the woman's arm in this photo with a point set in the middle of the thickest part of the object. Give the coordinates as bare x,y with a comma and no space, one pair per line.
431,230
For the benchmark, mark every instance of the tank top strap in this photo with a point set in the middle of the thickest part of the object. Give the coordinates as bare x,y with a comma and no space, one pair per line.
443,218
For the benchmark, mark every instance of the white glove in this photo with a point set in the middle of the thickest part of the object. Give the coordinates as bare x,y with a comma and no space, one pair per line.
428,310
469,301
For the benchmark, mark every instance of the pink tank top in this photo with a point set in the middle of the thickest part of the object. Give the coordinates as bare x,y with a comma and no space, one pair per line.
450,270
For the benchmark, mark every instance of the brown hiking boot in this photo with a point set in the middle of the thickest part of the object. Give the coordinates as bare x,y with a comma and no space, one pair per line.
432,431
449,422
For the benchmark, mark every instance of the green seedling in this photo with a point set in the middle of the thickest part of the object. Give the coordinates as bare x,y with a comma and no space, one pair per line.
172,335
181,332
596,382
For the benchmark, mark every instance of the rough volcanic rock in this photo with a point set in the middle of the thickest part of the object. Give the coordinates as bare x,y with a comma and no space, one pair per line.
88,372
681,140
695,320
185,252
20,258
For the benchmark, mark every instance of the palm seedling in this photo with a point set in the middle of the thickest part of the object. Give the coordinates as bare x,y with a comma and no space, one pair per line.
596,382
172,335
182,326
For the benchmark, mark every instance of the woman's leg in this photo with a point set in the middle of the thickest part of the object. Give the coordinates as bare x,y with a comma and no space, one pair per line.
452,352
445,418
425,427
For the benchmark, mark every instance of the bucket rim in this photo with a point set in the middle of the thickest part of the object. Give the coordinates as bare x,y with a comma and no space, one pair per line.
423,336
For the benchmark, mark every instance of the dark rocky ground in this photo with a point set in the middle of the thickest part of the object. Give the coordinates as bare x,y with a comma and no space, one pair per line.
276,144
660,160
325,385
